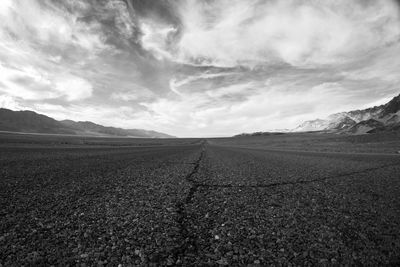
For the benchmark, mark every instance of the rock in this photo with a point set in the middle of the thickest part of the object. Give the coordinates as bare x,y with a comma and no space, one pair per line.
222,261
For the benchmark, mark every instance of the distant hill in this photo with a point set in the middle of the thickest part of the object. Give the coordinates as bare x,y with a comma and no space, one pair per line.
32,122
378,118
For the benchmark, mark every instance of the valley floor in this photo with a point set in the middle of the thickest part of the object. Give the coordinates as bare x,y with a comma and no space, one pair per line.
232,201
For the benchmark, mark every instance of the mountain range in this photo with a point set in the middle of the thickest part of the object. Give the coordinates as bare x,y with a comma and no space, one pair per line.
385,117
31,122
379,118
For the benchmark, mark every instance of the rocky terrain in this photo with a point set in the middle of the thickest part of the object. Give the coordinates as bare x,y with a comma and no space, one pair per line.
195,203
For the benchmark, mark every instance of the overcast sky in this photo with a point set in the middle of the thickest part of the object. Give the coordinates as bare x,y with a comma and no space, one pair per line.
198,68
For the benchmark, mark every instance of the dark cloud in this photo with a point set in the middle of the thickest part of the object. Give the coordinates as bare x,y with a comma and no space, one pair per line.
162,10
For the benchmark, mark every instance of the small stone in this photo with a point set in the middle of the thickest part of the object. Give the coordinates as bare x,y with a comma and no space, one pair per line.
170,262
216,237
257,262
222,261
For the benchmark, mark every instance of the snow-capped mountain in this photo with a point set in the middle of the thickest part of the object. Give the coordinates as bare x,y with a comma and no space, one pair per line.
378,118
313,125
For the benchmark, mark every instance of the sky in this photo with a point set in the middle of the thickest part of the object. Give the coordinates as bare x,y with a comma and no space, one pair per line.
198,68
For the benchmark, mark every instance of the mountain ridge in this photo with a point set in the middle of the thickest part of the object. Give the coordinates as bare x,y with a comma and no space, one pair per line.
27,121
377,118
385,117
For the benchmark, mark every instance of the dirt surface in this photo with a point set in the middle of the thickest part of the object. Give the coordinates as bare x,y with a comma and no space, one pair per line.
382,142
196,203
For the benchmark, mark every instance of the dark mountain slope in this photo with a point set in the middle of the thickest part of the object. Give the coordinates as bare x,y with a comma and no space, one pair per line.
32,122
393,106
96,129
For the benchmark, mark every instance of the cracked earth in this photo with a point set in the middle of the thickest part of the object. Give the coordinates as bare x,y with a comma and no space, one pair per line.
197,204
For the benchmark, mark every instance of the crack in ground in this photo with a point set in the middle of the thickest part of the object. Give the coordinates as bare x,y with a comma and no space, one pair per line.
189,244
295,182
164,162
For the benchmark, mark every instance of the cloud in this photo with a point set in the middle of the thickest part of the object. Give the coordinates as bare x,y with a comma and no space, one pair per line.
31,84
50,50
202,82
198,68
10,102
40,25
37,38
156,38
139,94
123,19
234,32
25,83
231,90
73,88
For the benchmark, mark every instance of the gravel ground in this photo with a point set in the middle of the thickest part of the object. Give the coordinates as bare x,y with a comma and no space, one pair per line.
382,142
93,207
196,204
261,208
